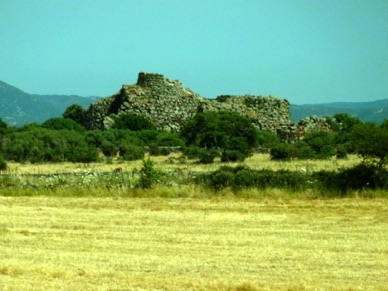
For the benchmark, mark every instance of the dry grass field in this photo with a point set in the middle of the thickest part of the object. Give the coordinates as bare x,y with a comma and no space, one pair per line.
257,161
51,243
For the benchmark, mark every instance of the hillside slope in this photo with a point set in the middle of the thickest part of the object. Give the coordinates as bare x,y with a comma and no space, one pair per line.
18,108
375,111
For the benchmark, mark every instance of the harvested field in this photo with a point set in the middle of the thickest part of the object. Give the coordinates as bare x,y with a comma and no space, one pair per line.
51,243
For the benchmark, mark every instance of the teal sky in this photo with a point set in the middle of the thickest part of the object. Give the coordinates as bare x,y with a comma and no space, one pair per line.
304,51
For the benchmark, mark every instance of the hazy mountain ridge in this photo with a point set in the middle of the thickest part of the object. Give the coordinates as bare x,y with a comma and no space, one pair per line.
18,108
375,111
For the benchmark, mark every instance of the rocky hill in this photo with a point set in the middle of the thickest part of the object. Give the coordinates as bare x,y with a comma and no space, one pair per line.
18,108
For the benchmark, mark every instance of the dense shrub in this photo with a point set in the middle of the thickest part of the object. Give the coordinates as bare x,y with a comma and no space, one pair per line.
279,152
133,122
207,156
267,139
232,156
321,144
371,141
148,174
108,148
75,112
82,153
3,164
131,152
3,127
192,152
220,131
43,145
362,176
59,123
156,150
241,177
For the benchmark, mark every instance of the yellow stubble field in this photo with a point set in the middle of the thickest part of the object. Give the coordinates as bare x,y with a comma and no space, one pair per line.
51,243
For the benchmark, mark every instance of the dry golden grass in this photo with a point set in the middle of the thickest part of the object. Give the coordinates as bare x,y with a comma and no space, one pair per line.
257,161
49,243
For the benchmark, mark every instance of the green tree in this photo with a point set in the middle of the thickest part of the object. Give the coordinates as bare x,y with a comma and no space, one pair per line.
75,112
267,139
3,164
226,132
131,121
59,123
321,143
346,122
3,127
77,148
384,124
371,142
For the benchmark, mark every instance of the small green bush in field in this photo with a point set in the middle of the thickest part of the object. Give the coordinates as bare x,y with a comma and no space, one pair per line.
148,174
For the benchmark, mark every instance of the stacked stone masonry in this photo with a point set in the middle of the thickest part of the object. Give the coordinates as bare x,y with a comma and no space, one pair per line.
168,105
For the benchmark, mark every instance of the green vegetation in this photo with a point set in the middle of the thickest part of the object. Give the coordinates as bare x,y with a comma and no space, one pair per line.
227,134
148,175
224,137
132,122
76,113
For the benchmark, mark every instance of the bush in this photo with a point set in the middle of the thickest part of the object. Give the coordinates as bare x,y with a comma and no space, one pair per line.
279,152
232,156
362,176
242,177
267,139
3,164
156,150
192,152
58,123
75,112
108,148
220,131
133,122
207,156
130,152
148,175
82,153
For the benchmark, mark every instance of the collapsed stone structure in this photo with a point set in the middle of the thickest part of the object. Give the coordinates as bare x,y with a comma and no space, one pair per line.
168,105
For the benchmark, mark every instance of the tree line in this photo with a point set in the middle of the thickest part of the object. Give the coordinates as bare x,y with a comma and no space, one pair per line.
207,136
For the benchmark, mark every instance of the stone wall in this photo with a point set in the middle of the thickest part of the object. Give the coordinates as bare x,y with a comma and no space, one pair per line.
168,105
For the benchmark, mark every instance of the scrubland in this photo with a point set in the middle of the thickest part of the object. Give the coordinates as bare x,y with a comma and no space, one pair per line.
185,238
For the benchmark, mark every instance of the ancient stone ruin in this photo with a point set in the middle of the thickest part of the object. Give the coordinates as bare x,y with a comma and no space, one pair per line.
168,105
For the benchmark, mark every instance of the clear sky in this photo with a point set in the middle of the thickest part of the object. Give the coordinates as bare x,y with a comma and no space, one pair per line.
310,51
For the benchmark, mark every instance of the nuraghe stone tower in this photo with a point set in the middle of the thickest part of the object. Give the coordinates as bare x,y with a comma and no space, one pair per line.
168,105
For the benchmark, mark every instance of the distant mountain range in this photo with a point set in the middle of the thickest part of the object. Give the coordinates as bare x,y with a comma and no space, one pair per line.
18,108
375,111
